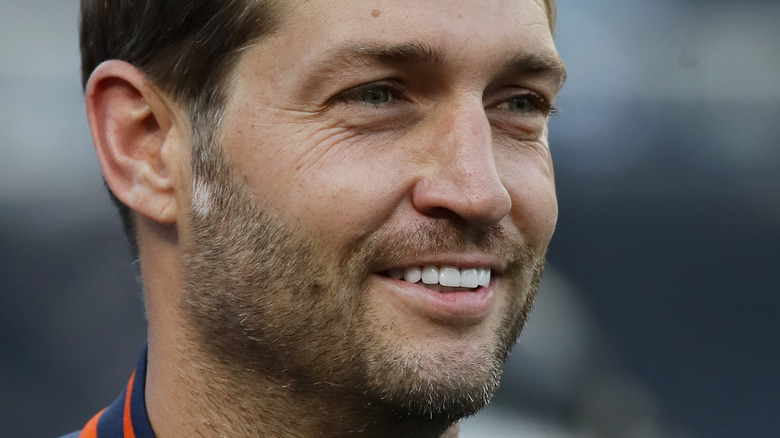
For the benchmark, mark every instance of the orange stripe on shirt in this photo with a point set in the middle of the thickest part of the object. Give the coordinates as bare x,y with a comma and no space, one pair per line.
90,430
127,421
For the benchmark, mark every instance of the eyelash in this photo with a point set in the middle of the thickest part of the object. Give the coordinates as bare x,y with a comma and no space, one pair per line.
540,103
359,93
394,92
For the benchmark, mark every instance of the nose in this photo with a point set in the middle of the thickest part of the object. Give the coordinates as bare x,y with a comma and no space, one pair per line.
462,179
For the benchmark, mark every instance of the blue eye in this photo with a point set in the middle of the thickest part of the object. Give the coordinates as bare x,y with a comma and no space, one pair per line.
527,104
522,104
376,94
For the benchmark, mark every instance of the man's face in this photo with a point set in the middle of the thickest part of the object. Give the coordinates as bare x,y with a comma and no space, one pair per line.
361,143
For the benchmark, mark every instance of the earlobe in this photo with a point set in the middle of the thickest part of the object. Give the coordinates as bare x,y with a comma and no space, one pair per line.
137,139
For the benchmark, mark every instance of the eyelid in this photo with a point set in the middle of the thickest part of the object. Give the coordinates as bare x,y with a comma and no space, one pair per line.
353,94
544,104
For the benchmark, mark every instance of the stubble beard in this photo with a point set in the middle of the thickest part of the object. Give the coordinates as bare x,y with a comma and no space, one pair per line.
266,302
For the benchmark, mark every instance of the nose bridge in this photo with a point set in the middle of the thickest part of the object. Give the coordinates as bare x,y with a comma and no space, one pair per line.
468,139
465,178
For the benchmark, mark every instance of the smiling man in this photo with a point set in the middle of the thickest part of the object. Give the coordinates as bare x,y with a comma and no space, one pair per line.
341,209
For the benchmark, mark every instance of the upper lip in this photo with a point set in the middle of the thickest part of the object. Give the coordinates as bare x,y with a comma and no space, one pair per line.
462,261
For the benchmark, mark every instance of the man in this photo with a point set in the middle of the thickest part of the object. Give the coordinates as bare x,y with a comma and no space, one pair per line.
341,209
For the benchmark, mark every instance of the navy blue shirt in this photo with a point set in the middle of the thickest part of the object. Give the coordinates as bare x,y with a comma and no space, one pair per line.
126,417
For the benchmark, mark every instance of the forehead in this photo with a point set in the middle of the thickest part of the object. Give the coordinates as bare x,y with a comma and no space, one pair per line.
459,28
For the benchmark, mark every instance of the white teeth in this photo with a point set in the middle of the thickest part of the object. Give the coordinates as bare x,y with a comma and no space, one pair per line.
430,274
469,278
484,277
449,276
413,275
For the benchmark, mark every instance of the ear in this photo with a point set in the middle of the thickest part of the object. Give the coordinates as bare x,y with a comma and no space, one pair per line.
137,136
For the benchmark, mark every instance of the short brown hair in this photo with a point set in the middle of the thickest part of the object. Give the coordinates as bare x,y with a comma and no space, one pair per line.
187,48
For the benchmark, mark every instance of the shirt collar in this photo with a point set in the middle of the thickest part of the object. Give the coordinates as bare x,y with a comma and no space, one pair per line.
126,417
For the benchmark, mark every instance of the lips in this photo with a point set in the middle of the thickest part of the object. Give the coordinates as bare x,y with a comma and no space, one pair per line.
447,293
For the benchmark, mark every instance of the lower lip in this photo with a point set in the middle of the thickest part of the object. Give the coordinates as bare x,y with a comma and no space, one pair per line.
462,307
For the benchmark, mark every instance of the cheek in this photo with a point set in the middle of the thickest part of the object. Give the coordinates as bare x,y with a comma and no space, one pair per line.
342,206
335,188
348,200
534,203
538,214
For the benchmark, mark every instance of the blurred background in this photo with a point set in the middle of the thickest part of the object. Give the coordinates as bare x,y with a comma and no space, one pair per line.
659,313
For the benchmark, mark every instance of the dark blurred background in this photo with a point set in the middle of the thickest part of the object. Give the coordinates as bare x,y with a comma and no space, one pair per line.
659,314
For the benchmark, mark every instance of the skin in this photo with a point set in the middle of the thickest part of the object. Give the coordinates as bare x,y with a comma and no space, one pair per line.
368,137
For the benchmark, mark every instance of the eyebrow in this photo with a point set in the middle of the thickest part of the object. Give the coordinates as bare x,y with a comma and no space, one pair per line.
541,65
360,54
538,65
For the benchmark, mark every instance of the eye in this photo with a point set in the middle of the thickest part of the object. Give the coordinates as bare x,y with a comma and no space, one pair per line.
521,104
374,94
527,104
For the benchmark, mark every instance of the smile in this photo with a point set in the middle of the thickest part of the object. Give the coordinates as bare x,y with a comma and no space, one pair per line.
434,277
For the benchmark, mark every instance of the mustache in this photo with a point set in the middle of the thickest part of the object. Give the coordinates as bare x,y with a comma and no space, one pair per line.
435,236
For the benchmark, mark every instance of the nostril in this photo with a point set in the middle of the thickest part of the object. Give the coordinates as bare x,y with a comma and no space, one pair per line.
470,199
